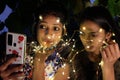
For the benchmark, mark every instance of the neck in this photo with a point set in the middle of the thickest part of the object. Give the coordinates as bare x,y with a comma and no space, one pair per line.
94,57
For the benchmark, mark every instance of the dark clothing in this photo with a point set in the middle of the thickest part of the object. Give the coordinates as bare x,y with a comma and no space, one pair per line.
88,70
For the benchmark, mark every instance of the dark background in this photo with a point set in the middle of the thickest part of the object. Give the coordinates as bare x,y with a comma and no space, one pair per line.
18,15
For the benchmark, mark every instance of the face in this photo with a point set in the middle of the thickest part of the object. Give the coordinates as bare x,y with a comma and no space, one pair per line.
92,36
49,31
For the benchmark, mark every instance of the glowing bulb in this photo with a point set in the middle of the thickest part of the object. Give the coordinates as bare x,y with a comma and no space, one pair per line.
66,39
58,20
91,40
64,65
31,57
81,32
101,63
74,71
59,37
88,47
73,46
63,73
60,57
57,54
113,34
68,77
32,42
49,37
70,60
72,49
100,30
31,61
84,28
40,17
73,39
114,41
76,52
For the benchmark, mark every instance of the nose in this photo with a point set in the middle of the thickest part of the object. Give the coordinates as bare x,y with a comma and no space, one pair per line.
88,39
48,32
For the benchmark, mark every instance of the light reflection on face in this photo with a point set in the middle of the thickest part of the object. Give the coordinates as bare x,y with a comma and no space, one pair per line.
49,31
92,36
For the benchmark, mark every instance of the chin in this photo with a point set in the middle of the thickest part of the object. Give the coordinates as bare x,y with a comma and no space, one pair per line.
91,49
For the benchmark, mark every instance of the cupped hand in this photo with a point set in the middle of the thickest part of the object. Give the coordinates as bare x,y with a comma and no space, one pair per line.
110,54
8,72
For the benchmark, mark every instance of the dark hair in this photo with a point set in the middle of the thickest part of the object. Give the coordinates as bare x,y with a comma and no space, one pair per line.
102,17
54,8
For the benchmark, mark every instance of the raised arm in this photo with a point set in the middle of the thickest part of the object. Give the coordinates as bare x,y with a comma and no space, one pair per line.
110,55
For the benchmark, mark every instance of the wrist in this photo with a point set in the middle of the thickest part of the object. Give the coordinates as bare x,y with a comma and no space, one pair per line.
108,72
40,57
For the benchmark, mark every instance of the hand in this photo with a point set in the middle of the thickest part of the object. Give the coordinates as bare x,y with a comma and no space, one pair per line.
7,72
43,55
110,55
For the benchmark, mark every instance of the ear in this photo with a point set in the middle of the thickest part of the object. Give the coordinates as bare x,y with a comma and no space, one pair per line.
108,36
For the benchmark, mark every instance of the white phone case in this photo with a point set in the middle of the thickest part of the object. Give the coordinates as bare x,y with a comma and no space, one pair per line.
16,44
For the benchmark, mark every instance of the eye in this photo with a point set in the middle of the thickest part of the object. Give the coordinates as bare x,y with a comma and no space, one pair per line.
93,35
56,28
42,27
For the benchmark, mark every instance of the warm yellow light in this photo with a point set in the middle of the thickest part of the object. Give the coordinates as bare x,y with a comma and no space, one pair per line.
84,28
40,17
100,30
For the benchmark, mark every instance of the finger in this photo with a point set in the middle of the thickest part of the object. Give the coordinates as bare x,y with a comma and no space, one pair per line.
104,56
117,50
6,64
108,53
8,72
112,51
17,76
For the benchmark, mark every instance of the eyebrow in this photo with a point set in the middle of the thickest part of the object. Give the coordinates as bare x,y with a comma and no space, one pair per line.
91,32
46,22
94,32
42,22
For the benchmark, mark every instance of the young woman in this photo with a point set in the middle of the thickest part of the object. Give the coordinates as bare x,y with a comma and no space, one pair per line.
50,51
100,38
49,30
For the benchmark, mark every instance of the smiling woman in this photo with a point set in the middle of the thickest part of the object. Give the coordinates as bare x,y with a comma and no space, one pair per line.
49,29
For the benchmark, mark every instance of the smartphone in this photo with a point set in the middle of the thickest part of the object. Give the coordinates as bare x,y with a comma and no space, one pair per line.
16,44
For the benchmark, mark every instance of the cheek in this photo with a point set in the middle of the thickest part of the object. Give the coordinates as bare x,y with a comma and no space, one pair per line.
81,39
40,35
98,42
58,37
